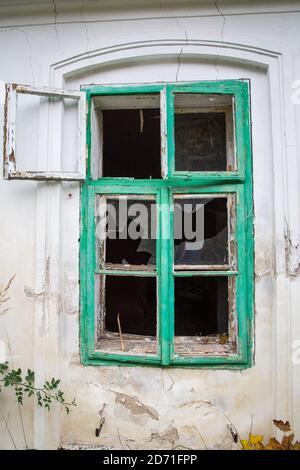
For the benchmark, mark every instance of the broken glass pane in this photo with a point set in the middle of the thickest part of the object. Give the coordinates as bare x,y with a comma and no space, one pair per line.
203,132
130,231
200,142
200,231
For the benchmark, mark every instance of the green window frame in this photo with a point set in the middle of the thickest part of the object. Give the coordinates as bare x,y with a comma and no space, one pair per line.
237,183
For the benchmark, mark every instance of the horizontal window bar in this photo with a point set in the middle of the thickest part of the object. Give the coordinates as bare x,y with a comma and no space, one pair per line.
204,273
122,90
209,176
123,272
152,186
201,267
227,87
124,357
176,177
209,360
123,188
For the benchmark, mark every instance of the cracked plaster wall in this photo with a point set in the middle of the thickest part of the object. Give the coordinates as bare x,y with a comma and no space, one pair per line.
144,407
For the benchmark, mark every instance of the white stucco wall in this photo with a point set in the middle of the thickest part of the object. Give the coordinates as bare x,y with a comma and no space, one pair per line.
124,42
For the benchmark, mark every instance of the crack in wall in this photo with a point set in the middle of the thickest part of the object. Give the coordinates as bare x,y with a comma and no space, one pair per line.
224,19
87,38
29,52
220,12
55,21
84,25
45,296
166,390
181,51
292,255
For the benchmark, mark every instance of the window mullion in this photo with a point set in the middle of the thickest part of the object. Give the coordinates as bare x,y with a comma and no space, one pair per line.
164,269
163,133
170,130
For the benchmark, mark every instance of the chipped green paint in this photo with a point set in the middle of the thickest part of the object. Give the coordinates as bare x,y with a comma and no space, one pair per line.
238,182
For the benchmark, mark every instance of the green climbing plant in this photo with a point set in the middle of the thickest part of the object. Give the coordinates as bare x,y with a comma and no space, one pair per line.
23,385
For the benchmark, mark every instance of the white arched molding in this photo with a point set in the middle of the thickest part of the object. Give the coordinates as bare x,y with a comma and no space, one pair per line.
286,216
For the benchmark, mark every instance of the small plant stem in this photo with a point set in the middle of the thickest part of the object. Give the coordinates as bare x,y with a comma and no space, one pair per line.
8,430
120,438
201,437
226,417
120,333
19,407
22,425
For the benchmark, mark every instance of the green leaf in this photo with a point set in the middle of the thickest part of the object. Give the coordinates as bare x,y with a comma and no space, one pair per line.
3,367
30,377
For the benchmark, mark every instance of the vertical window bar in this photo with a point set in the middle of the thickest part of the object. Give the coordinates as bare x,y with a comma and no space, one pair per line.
165,250
163,133
170,130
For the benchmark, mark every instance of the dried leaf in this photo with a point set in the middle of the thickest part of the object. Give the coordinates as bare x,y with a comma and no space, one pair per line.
273,444
285,427
246,445
287,441
255,442
256,439
295,446
223,338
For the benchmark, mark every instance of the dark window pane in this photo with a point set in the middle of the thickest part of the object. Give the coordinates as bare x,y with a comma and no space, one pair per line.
131,233
131,143
134,299
201,306
200,141
200,231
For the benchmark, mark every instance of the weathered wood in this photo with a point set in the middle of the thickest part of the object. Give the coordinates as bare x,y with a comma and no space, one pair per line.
10,157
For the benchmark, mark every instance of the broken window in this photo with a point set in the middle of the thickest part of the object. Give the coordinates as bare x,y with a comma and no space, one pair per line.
166,278
200,232
204,132
130,223
126,229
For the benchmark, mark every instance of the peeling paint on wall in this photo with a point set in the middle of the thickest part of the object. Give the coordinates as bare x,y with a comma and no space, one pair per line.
135,406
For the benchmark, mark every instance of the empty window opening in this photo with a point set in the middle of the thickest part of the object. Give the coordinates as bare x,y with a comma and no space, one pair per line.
134,299
131,143
201,306
128,131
